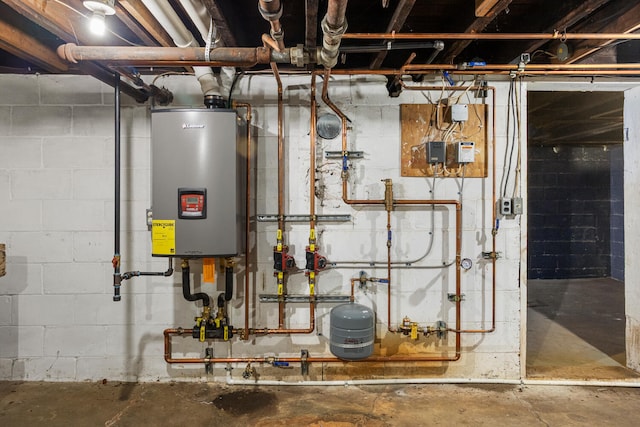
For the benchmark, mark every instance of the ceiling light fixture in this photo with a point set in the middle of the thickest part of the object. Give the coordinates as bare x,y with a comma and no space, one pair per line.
100,9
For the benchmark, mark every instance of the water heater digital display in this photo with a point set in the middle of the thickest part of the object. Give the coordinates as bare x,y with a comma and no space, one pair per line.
192,203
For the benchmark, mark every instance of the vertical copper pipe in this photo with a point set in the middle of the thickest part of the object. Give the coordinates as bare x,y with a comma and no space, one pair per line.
336,10
312,156
389,328
247,239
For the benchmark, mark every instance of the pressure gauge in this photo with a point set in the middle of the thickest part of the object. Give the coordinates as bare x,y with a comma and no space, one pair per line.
466,263
328,126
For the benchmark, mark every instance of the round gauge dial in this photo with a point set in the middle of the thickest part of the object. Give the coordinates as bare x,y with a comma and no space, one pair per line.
328,126
466,263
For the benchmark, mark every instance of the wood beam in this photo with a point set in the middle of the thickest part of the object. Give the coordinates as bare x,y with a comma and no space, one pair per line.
139,12
483,7
221,23
25,46
569,20
477,26
396,23
625,20
311,25
135,28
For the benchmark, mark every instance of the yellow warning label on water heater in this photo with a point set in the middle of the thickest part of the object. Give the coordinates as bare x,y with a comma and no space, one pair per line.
163,237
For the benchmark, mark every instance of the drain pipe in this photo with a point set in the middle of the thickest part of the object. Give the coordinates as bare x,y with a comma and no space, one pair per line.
334,25
182,37
117,278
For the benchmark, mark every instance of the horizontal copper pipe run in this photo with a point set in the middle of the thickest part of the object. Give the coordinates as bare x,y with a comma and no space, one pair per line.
168,333
515,67
491,36
183,56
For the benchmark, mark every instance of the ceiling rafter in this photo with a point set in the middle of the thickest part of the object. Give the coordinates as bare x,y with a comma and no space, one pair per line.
396,23
569,20
27,47
625,20
477,26
221,23
139,12
311,25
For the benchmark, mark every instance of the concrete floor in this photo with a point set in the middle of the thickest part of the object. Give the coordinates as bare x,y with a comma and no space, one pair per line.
576,329
188,404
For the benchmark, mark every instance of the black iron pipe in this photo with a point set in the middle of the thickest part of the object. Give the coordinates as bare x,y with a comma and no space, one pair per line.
228,283
186,288
129,274
389,46
117,278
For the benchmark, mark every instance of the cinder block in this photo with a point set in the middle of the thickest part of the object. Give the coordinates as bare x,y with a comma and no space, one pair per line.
76,278
41,184
5,120
73,215
20,152
6,367
75,341
142,340
136,152
9,339
92,246
93,184
77,152
45,247
19,89
136,122
21,278
5,310
93,121
36,310
55,89
40,121
45,369
21,215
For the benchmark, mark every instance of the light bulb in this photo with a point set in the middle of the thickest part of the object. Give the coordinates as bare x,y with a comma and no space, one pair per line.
97,24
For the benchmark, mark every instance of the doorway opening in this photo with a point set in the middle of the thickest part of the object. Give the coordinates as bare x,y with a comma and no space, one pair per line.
575,275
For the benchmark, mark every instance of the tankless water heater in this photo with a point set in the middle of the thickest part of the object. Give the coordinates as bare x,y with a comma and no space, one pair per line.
197,183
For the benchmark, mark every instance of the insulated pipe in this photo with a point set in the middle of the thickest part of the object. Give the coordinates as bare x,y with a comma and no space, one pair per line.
117,278
271,10
186,286
334,25
228,281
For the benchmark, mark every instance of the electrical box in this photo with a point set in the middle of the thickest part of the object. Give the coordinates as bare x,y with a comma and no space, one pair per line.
466,152
505,206
516,206
198,184
459,112
436,152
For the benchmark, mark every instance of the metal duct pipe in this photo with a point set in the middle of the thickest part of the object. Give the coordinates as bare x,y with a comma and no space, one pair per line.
271,10
334,25
182,37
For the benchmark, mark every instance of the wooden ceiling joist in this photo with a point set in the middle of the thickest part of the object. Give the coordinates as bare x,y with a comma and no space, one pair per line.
483,7
27,47
395,24
477,26
139,12
221,23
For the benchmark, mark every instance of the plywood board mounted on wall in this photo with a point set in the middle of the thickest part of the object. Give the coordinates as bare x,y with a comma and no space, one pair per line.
421,123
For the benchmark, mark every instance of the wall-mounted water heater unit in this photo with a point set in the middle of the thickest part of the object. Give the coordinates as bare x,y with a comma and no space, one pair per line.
197,183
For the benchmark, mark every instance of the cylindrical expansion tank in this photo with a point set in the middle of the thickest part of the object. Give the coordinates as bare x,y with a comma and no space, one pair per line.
198,186
352,331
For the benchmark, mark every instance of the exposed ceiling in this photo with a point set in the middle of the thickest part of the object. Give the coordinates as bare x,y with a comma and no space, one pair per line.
31,30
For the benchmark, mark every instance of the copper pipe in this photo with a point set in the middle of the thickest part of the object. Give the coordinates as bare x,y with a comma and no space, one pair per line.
491,36
185,55
312,156
336,10
271,10
269,42
168,357
389,328
247,241
515,67
352,297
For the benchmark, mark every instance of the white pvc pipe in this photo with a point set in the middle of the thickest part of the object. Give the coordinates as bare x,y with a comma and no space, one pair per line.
182,37
198,14
397,381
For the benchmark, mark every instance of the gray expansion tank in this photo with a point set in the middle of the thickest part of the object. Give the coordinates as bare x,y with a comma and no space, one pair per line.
352,331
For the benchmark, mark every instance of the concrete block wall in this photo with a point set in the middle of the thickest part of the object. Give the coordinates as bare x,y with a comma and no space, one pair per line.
57,320
569,212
